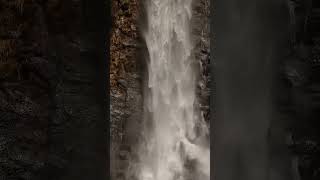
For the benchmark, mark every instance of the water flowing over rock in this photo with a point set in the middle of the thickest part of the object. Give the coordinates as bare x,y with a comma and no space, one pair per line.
176,144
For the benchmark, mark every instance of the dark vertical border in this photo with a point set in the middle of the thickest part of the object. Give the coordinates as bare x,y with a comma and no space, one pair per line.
95,49
212,82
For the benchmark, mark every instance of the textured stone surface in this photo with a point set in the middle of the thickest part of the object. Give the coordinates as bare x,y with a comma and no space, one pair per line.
200,32
48,93
126,88
128,72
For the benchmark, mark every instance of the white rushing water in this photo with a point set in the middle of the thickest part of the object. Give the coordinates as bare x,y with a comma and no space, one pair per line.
176,147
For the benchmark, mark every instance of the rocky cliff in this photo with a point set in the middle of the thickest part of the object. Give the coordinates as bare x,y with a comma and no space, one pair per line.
26,79
125,83
49,110
128,72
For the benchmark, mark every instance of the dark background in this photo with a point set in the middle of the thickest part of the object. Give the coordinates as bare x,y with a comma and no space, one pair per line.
244,34
54,78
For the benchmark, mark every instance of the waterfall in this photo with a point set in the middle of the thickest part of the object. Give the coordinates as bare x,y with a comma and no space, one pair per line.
176,145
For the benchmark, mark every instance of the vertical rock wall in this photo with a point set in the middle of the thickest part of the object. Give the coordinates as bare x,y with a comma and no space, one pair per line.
201,32
127,73
125,84
29,77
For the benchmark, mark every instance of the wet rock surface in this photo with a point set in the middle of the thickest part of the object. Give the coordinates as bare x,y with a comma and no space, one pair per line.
125,86
127,51
200,31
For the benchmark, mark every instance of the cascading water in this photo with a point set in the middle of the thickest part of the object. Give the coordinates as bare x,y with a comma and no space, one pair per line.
176,146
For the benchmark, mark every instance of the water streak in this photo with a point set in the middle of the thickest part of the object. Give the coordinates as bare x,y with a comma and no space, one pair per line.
176,147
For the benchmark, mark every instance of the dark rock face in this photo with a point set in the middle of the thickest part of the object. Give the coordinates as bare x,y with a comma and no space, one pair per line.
126,86
300,72
26,77
200,33
51,109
